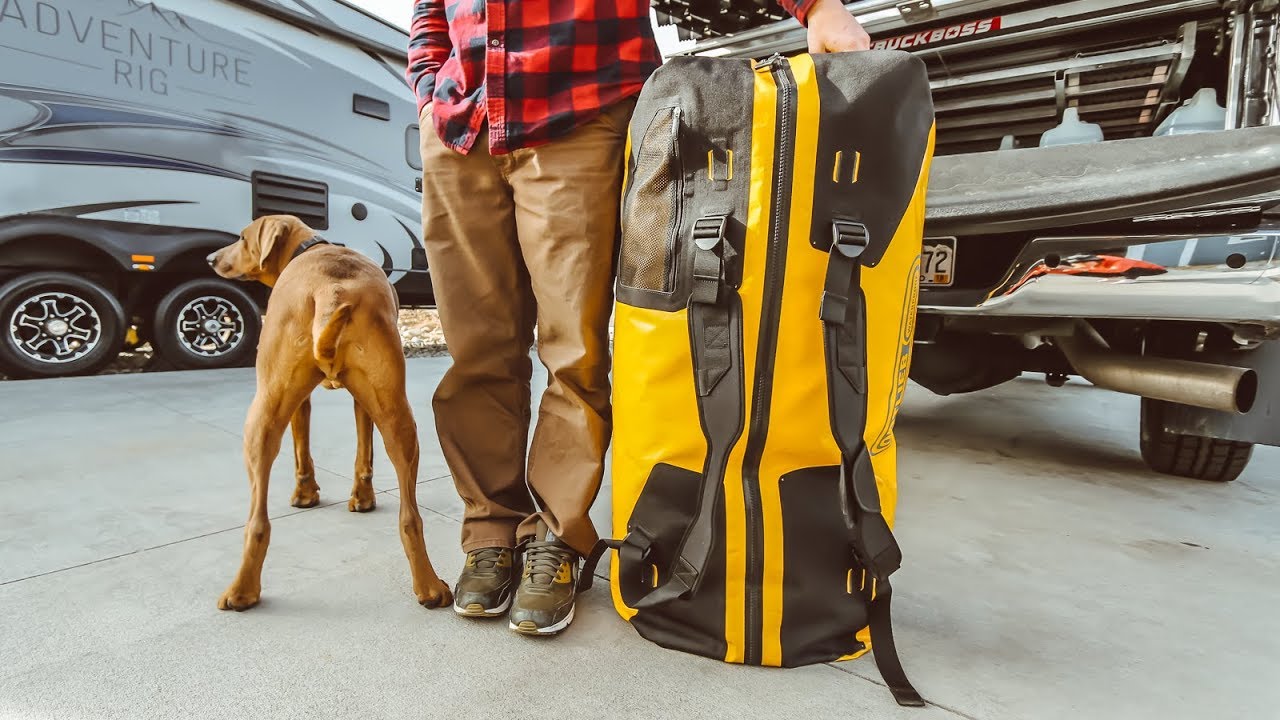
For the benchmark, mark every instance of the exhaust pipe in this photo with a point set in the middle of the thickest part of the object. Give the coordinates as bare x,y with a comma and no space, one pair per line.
1204,385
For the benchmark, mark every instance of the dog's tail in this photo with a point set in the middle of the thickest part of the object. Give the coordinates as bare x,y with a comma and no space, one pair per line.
327,332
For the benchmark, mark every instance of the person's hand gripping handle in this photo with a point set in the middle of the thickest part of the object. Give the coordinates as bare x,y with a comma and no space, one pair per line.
832,29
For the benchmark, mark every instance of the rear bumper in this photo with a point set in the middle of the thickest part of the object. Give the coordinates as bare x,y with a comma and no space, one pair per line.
1232,277
1205,296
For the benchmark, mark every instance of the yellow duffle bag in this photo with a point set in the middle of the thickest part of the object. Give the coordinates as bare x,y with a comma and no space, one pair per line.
767,284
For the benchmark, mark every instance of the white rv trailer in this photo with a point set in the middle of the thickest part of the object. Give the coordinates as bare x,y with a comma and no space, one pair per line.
136,137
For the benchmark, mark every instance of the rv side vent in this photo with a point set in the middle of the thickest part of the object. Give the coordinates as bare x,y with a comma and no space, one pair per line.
280,195
371,107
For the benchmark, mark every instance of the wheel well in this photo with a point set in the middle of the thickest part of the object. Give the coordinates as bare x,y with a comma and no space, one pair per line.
191,263
138,292
59,252
187,265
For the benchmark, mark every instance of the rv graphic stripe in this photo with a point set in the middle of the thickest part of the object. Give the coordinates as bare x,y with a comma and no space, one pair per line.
74,156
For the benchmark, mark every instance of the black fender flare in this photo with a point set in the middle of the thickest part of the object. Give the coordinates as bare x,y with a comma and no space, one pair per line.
127,244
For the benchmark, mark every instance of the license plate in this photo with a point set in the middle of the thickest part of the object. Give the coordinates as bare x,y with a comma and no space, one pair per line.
938,262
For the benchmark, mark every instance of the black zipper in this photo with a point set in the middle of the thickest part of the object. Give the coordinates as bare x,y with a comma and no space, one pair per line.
677,192
784,142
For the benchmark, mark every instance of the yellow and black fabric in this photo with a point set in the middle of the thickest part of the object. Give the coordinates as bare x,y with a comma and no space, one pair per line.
767,285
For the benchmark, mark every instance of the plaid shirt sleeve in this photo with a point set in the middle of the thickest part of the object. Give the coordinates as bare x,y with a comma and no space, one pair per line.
429,47
799,8
530,72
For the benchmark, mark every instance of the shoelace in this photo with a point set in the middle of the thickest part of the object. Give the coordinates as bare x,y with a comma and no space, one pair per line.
543,560
486,559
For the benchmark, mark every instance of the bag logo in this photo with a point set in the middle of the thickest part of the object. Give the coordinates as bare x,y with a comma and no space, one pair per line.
902,367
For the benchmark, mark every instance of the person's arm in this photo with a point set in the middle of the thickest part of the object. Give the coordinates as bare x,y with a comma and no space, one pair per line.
831,27
429,46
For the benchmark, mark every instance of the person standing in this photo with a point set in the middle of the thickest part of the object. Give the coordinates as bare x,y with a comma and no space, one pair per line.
524,106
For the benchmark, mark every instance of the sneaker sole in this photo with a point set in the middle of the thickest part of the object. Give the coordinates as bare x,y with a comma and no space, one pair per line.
476,610
529,628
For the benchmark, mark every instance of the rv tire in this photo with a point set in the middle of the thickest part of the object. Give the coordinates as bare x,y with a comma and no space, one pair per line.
55,324
206,324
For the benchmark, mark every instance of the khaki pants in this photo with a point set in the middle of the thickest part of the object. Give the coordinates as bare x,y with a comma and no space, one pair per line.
512,240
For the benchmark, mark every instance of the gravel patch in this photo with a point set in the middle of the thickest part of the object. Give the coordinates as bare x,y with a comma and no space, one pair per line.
421,334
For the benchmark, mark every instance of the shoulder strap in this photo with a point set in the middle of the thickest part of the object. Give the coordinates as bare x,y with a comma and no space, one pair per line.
843,313
713,305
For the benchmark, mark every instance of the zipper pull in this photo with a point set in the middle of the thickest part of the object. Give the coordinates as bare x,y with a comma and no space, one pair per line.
770,62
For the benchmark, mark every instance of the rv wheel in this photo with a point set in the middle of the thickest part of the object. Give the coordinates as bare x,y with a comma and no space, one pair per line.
55,324
205,324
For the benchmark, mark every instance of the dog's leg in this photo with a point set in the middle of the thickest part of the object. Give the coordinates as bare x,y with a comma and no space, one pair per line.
362,497
263,431
306,493
400,434
388,406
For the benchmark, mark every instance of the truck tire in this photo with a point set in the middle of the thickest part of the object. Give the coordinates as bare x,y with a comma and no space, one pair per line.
1192,456
55,324
206,324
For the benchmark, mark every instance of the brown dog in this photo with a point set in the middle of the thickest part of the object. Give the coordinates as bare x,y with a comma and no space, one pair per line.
331,320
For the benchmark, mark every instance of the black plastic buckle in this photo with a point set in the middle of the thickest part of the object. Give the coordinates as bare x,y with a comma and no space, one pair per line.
640,543
708,264
709,231
849,238
638,538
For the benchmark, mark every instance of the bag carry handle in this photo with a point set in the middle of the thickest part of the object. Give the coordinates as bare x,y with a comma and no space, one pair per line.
843,314
711,307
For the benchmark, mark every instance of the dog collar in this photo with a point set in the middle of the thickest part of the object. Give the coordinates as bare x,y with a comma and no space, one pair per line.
314,241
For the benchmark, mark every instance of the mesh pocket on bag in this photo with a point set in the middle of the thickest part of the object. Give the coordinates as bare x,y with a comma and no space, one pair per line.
649,223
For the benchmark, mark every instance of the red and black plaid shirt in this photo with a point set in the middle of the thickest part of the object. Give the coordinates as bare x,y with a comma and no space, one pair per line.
533,69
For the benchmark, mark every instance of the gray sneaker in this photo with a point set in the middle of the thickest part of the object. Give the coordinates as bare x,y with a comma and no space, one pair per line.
484,588
544,600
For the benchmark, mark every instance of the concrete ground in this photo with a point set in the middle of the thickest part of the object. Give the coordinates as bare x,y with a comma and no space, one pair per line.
1048,575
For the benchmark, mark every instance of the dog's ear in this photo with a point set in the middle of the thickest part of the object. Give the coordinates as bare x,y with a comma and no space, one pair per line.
271,234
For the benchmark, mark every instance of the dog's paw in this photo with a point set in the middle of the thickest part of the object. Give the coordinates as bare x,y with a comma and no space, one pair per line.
356,504
305,495
238,600
437,596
